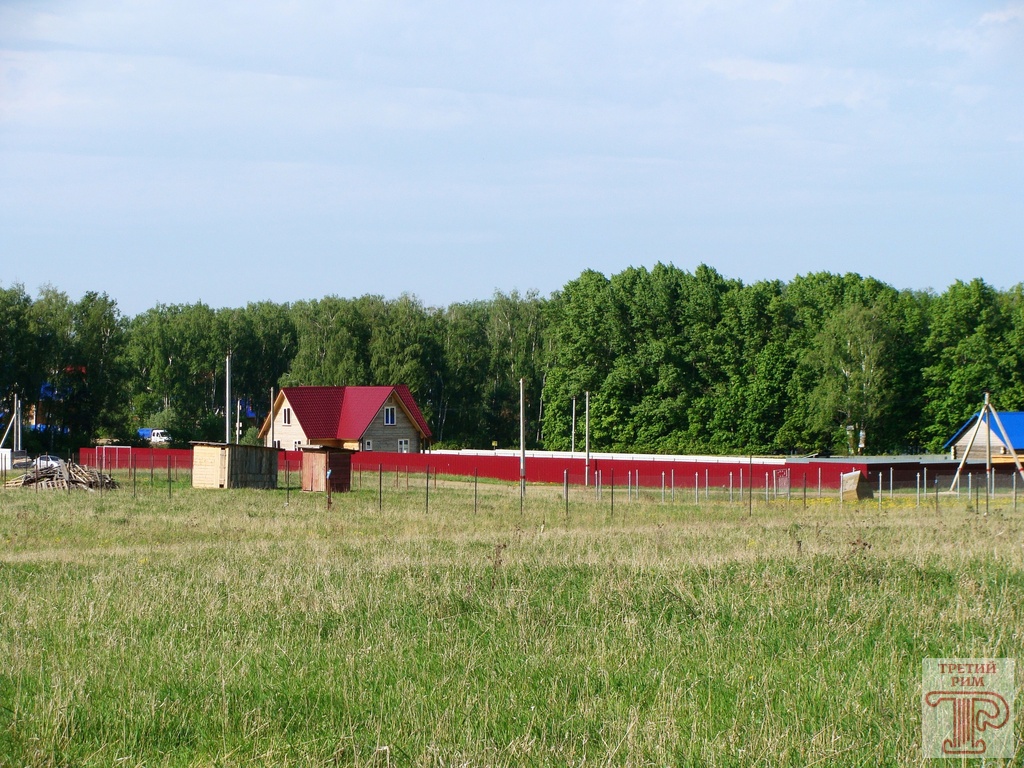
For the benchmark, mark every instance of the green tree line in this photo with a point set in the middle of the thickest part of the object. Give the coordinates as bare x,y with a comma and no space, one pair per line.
674,361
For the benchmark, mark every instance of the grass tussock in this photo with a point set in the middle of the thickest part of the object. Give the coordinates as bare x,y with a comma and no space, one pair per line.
228,628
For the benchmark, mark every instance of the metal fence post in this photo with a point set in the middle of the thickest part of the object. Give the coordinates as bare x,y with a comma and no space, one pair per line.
987,481
565,490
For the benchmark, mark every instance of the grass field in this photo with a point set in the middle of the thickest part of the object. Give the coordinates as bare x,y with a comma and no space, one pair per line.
226,628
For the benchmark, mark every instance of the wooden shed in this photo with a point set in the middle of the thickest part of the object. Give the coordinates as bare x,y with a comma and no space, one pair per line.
317,459
220,465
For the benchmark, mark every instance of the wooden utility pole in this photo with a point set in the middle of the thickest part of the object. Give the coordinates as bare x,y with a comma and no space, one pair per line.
988,414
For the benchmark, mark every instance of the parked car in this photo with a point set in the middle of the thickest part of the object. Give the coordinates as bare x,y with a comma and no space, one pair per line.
159,437
46,461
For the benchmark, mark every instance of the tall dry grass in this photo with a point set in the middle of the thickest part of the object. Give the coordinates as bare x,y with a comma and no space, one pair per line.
227,628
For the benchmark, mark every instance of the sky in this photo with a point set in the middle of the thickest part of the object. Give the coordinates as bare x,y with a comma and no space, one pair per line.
230,152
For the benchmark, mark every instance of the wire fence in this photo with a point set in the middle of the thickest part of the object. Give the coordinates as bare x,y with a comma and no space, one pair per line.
973,489
775,487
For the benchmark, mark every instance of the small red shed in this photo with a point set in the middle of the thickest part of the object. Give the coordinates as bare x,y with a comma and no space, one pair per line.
317,460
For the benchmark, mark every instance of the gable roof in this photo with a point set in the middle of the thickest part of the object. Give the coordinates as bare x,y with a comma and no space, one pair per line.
1012,420
316,408
344,413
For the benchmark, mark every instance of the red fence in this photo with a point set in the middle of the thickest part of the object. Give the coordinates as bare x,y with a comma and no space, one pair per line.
766,474
110,457
675,472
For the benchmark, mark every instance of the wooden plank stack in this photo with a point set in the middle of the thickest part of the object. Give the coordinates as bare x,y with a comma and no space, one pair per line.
68,475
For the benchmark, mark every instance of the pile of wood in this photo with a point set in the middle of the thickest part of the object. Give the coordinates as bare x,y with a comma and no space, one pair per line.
66,476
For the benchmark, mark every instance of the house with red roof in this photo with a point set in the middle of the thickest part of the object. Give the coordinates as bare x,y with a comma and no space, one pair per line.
355,418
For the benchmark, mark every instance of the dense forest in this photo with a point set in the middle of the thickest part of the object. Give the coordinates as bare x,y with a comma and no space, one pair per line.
674,361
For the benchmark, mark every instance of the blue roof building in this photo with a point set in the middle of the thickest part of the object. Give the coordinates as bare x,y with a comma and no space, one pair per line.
1013,421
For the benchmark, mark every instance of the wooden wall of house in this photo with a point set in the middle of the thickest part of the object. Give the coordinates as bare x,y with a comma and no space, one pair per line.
289,436
385,438
979,450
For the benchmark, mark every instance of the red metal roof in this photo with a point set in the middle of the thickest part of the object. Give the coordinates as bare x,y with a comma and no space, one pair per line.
360,406
344,413
317,409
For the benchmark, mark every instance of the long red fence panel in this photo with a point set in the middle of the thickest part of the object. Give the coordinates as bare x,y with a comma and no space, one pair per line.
677,472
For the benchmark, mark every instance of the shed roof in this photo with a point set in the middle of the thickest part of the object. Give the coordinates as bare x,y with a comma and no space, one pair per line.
1012,420
345,413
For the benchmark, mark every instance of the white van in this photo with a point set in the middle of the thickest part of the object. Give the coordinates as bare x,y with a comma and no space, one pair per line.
159,437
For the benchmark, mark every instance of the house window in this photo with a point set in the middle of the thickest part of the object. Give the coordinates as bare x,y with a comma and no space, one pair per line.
296,445
389,416
286,416
367,445
277,444
403,445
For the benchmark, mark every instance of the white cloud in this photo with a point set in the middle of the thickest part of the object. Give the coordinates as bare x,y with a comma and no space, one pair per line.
754,70
1012,13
